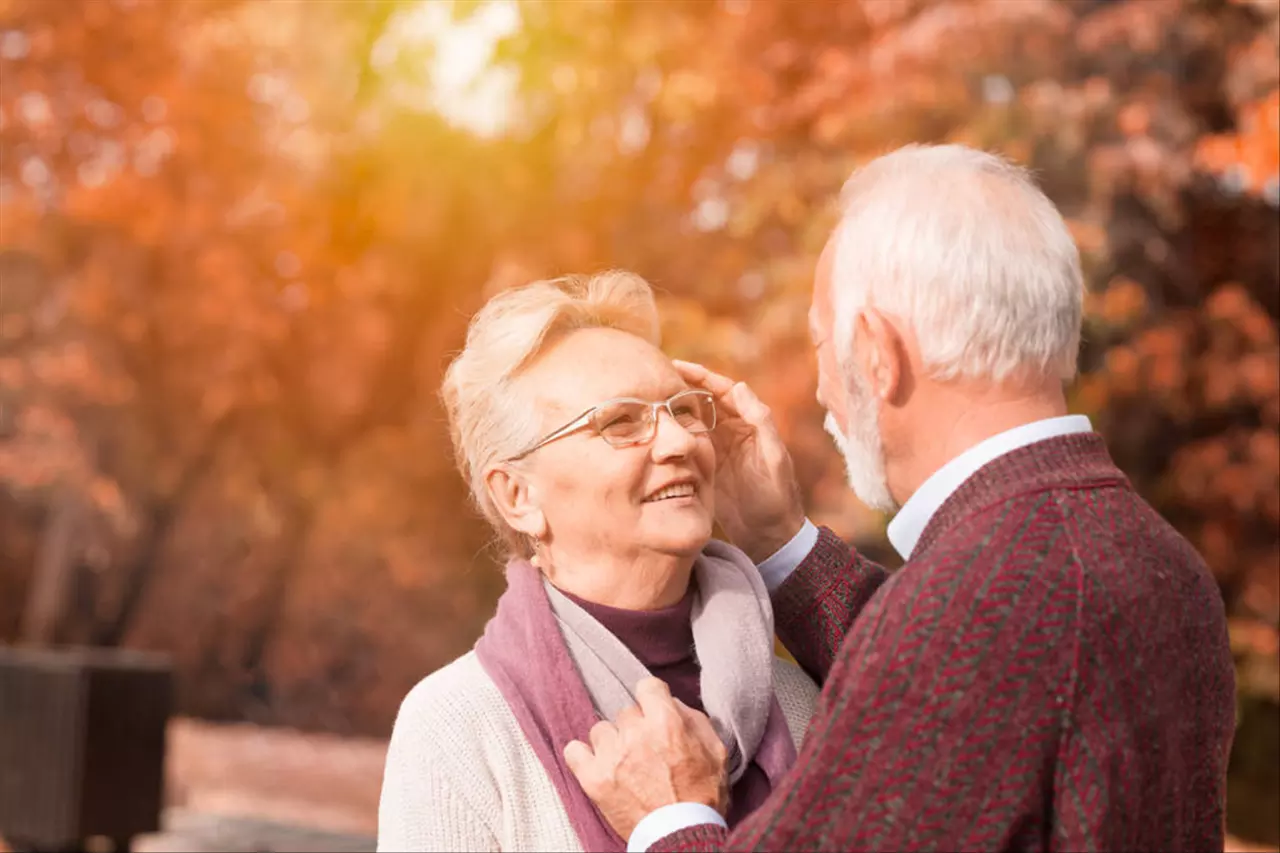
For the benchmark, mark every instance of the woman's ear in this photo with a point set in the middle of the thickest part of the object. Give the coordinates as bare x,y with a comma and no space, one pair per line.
880,354
515,496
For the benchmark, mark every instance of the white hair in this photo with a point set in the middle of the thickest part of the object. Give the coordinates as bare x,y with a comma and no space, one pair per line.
491,418
963,246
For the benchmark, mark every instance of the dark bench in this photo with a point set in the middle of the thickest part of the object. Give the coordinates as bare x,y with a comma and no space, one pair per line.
82,745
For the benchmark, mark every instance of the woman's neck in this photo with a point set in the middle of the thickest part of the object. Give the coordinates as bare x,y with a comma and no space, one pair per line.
648,582
659,638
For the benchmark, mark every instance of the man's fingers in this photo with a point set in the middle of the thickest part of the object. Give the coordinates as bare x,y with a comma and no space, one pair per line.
699,723
602,734
703,730
696,374
699,375
656,701
628,716
687,712
578,756
649,690
749,406
731,396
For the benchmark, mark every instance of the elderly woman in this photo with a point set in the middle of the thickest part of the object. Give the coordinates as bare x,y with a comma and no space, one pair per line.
593,460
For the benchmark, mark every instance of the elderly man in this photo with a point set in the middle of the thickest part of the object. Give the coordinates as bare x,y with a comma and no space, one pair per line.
1050,668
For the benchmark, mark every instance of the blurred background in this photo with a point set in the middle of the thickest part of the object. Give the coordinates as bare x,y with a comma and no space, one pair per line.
239,240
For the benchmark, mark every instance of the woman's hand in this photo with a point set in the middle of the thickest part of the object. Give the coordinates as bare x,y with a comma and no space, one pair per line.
757,497
657,754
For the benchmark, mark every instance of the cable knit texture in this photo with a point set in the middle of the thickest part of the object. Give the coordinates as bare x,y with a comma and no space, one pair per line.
1050,671
461,776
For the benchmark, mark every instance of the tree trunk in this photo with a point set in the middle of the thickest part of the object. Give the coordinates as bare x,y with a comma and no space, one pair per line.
52,584
163,514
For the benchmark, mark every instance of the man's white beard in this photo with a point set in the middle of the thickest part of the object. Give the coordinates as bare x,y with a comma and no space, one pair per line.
862,449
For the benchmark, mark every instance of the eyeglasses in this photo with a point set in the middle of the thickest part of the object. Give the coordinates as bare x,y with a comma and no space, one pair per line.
625,421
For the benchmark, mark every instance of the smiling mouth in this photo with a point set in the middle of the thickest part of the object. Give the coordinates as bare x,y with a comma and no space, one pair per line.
679,490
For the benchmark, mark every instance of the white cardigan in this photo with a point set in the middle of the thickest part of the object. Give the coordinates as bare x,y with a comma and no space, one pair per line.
460,774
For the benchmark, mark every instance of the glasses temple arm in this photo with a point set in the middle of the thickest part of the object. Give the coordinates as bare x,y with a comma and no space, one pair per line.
567,428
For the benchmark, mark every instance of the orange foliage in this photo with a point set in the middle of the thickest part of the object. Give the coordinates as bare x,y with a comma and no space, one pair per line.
237,251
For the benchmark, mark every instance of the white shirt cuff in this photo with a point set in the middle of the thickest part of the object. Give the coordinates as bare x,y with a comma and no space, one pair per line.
660,823
779,567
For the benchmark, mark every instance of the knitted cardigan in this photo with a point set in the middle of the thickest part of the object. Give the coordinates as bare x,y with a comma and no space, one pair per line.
460,774
1049,671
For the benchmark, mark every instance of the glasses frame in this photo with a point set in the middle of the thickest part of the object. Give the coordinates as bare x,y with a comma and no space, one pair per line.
584,419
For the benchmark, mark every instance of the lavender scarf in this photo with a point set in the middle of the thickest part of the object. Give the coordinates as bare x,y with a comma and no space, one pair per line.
560,671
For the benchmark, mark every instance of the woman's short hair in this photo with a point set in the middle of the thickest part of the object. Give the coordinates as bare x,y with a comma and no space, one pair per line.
491,417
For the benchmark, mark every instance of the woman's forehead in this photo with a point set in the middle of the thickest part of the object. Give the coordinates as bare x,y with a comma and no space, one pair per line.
593,365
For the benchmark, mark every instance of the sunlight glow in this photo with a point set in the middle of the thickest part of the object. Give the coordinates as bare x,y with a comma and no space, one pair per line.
463,85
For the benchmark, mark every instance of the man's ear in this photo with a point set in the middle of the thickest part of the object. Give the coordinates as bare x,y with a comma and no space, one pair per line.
881,354
516,498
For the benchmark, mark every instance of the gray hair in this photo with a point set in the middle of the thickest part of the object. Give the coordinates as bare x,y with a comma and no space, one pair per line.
965,247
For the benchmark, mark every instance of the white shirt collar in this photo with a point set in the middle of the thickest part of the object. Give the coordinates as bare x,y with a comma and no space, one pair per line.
907,526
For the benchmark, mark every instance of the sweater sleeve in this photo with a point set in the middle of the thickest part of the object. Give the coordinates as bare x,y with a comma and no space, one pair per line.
424,804
936,726
818,602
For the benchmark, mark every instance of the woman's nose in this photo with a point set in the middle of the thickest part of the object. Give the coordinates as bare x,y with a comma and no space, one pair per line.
670,439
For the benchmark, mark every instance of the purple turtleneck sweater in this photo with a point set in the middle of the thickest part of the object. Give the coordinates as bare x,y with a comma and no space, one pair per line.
663,641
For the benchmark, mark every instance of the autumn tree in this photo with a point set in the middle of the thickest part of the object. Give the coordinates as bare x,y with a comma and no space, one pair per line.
238,243
226,262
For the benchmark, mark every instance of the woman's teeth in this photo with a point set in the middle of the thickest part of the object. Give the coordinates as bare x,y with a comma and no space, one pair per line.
683,490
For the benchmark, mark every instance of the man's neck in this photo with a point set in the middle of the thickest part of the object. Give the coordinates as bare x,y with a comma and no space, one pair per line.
961,419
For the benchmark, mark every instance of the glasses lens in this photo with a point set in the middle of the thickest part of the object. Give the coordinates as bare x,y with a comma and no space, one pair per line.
694,410
622,422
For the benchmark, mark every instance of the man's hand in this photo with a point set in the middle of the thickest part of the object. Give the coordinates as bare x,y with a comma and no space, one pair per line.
662,752
757,497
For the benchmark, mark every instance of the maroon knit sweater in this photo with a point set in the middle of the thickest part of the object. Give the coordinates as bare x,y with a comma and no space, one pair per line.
662,640
1049,671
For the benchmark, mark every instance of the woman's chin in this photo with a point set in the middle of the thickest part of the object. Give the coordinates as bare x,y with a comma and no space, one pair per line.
685,538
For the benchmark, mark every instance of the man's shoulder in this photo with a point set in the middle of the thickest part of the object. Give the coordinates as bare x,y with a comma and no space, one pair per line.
1055,519
1095,540
1000,534
996,556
